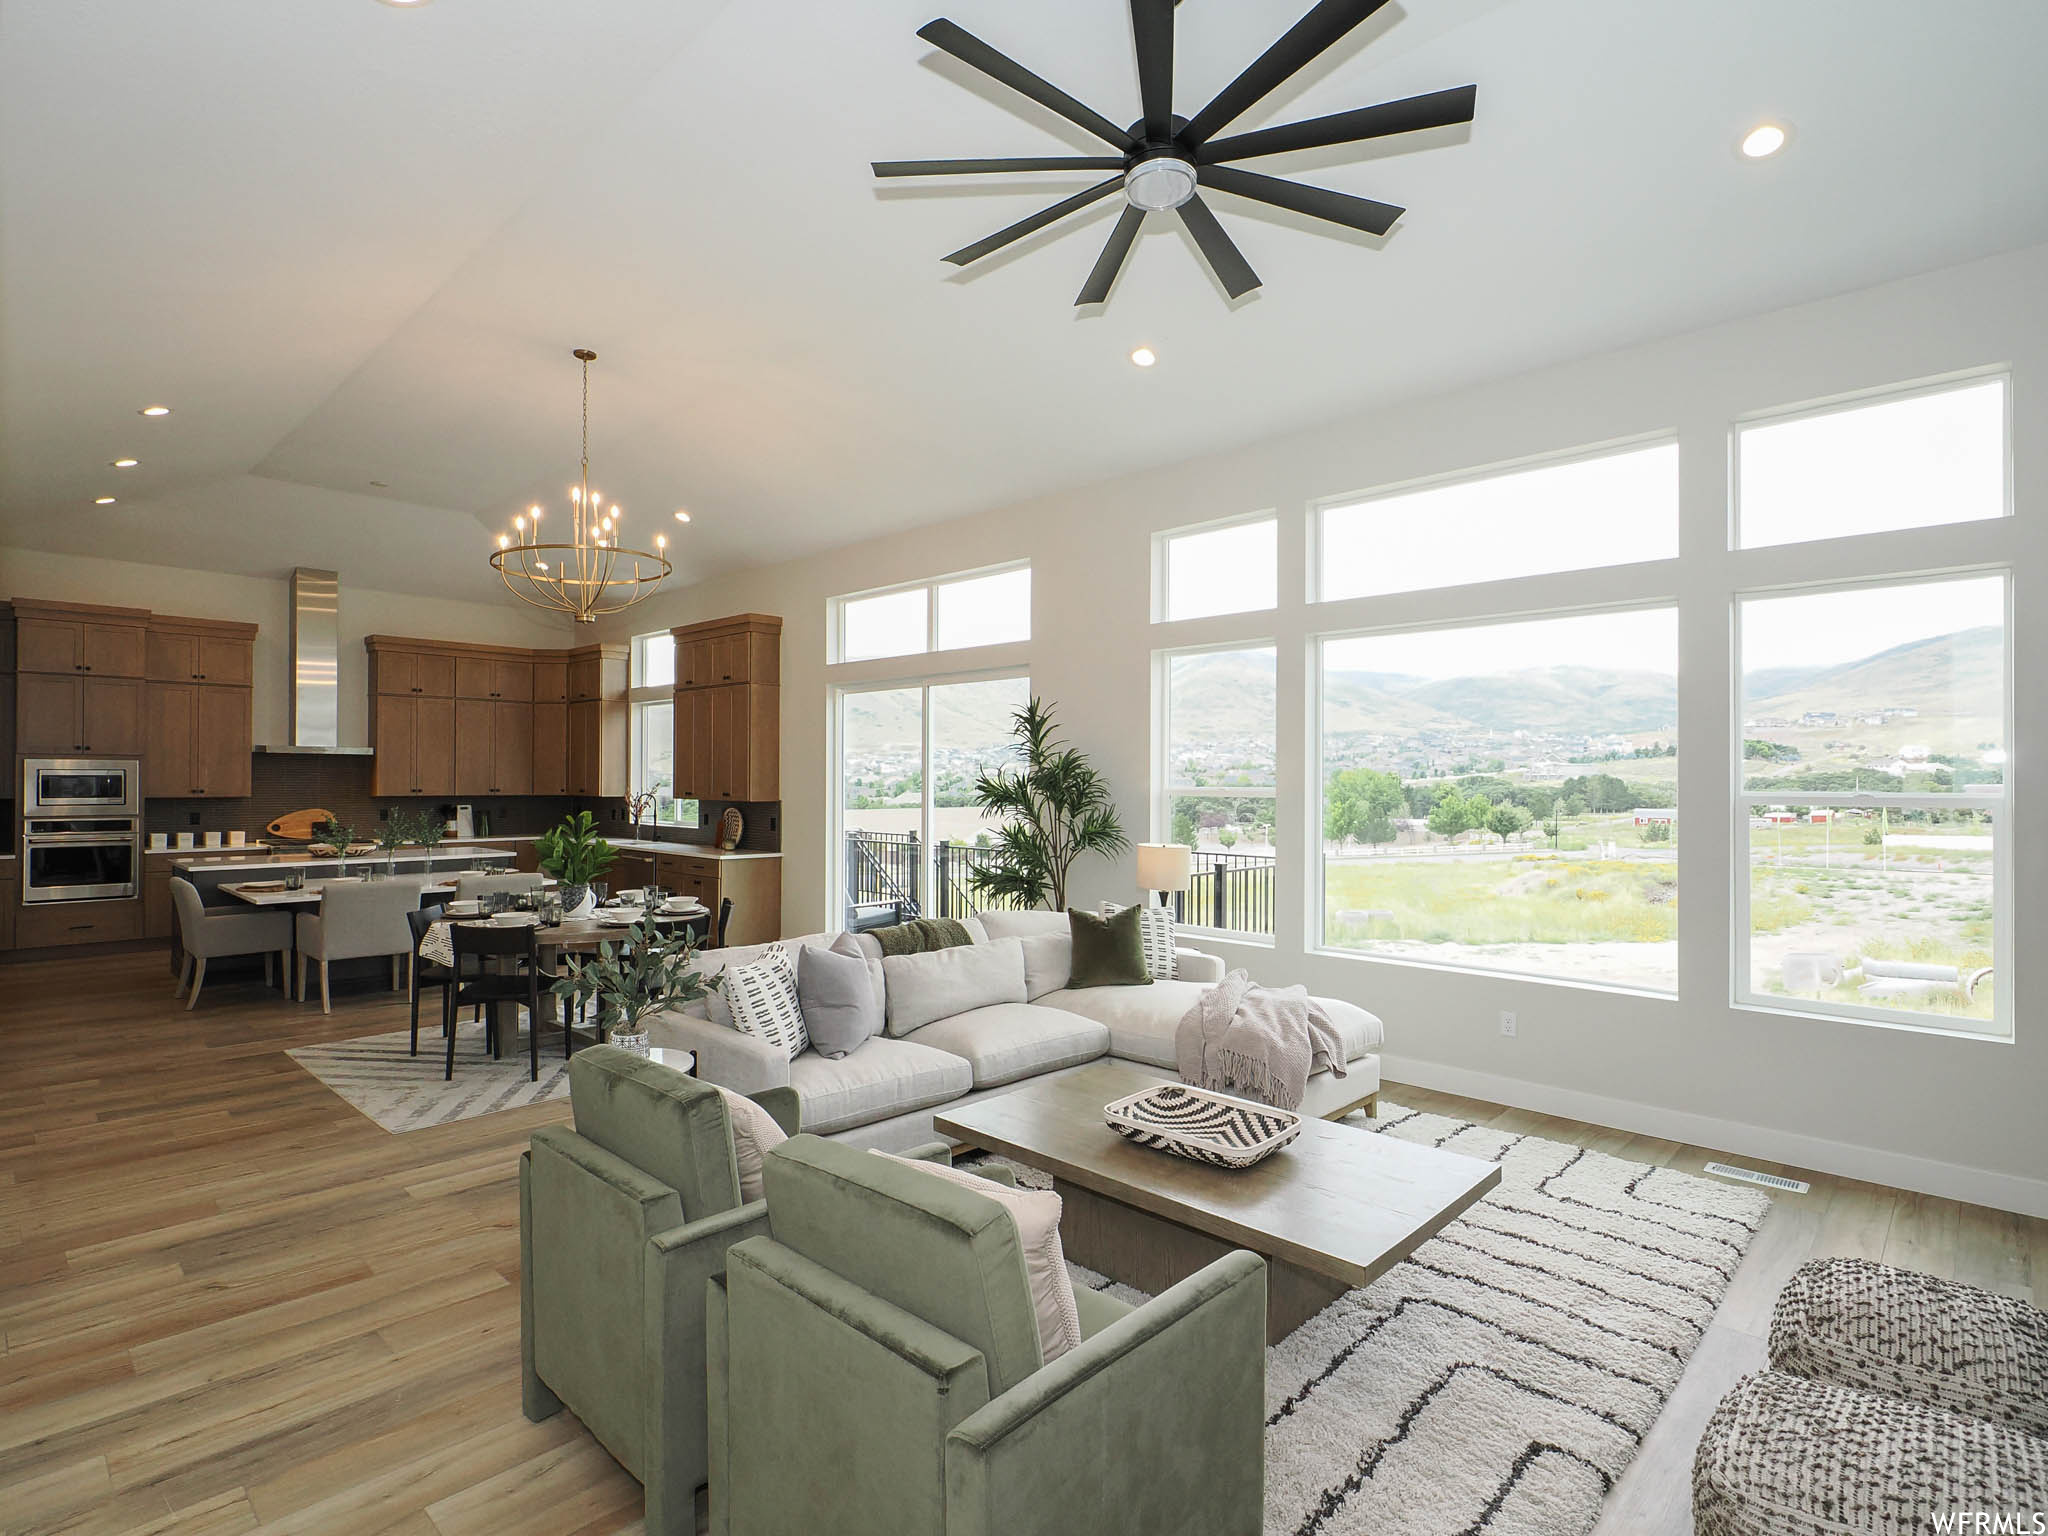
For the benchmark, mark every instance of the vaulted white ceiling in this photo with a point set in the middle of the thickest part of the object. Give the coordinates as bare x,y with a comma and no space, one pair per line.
352,243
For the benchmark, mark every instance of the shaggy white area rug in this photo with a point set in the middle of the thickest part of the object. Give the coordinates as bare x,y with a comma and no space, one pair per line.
1500,1379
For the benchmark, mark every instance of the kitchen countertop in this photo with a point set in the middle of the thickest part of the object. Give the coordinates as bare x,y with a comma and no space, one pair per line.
215,860
634,845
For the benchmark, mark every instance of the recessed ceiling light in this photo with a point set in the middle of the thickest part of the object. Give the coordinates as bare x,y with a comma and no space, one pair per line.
154,410
103,501
682,517
1763,140
123,463
379,485
406,5
1144,357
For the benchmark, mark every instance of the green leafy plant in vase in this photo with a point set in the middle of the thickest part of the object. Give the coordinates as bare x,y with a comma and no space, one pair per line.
393,833
575,854
1054,809
338,835
645,972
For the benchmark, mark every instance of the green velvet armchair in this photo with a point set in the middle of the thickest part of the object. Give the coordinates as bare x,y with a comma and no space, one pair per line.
621,1223
875,1371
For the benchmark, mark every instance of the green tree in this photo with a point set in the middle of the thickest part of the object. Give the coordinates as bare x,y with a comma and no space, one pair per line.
1360,804
1453,813
1228,836
1504,821
1185,831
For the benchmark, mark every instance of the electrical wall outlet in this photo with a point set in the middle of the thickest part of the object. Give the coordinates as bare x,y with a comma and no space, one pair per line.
1507,1023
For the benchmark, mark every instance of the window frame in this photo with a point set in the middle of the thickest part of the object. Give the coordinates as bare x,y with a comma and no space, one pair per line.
1320,508
2001,1027
835,627
1165,791
640,698
1162,585
924,682
1316,940
1835,405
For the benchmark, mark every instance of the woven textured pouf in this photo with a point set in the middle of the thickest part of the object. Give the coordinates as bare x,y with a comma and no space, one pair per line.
1788,1456
1915,1337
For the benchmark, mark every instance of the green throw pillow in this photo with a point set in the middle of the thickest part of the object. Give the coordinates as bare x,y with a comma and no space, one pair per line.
1108,951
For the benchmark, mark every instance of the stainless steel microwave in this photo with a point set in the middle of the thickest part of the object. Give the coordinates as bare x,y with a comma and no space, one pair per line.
69,786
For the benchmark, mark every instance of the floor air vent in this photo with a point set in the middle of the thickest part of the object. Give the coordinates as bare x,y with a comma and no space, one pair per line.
1751,1176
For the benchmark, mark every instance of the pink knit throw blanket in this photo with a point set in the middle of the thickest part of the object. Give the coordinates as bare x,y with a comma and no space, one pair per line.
1256,1042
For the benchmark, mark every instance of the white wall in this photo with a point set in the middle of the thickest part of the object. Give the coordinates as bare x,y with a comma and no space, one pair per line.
266,602
1951,1116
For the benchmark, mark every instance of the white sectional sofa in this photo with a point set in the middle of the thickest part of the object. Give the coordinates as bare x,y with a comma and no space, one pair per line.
883,1093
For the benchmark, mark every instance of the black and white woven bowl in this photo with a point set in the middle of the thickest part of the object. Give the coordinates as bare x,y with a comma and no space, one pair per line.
1202,1126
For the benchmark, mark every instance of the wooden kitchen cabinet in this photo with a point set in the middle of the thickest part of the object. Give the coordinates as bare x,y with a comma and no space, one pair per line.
156,900
753,884
585,678
728,709
414,739
80,638
47,924
492,677
10,899
551,682
429,674
597,747
550,746
187,656
493,747
199,742
57,716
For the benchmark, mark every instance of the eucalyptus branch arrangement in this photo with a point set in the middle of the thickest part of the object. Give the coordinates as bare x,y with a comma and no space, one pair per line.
644,973
338,834
1056,808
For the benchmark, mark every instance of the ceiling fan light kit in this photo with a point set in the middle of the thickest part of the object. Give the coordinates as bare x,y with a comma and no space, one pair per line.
1163,160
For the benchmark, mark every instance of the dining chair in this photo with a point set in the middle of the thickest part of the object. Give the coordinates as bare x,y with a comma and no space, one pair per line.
724,919
426,973
215,936
475,887
357,919
476,945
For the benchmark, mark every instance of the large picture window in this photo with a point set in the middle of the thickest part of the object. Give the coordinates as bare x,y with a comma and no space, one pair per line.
1503,797
909,755
1871,803
1610,508
1219,784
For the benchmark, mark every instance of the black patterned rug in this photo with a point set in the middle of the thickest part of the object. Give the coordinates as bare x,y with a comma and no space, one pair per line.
1500,1379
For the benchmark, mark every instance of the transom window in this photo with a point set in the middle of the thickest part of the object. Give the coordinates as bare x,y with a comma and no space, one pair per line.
979,608
1222,568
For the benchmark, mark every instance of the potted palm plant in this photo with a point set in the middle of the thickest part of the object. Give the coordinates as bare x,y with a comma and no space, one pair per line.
575,855
643,973
1056,808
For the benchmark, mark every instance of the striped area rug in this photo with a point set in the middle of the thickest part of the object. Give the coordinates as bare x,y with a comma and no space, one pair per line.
406,1093
1499,1380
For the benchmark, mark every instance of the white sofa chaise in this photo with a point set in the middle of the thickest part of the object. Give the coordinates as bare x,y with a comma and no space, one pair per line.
883,1093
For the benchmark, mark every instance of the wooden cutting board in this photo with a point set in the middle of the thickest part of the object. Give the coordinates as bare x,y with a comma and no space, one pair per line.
299,826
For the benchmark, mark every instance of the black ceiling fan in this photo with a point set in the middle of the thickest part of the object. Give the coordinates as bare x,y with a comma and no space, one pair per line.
1163,158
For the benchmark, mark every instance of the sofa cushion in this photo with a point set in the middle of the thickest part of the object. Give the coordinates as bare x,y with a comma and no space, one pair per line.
709,963
1142,1020
754,1135
763,1001
1048,963
1024,925
1015,1040
871,947
884,1077
938,985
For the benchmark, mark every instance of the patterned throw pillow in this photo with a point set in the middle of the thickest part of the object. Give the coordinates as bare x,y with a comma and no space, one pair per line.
763,1000
1155,933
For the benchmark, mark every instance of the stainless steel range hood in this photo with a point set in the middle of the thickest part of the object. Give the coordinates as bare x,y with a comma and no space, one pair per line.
314,711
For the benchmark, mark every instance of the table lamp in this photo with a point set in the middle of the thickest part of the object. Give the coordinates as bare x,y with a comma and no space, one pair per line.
1165,867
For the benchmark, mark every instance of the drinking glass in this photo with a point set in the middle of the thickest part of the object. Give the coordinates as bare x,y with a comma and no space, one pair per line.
601,889
295,879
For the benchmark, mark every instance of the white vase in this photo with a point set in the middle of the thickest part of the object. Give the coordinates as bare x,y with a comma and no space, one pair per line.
585,906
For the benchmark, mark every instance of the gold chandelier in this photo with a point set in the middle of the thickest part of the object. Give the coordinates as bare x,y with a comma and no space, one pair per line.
591,574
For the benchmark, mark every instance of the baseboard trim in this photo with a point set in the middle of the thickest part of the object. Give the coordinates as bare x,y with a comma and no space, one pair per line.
1874,1165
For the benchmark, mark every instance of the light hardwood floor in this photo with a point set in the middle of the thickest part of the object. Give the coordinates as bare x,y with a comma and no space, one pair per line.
230,1303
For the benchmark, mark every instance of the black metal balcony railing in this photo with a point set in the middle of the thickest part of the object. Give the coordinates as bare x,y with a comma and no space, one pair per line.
1232,892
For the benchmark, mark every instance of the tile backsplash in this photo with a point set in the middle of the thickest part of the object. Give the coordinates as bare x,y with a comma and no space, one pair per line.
282,783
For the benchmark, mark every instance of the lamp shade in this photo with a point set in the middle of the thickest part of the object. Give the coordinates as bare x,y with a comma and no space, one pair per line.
1165,866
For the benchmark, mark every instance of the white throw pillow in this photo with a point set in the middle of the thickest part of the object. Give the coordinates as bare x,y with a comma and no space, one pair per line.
1048,962
923,988
1155,936
1036,1213
754,1135
763,1000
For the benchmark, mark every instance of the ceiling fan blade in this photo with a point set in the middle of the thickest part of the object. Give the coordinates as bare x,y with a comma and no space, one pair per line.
991,167
1111,261
1317,202
969,49
1308,37
1221,252
1152,30
1017,231
1438,109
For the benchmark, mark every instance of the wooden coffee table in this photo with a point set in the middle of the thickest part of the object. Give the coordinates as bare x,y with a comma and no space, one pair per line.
1336,1208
